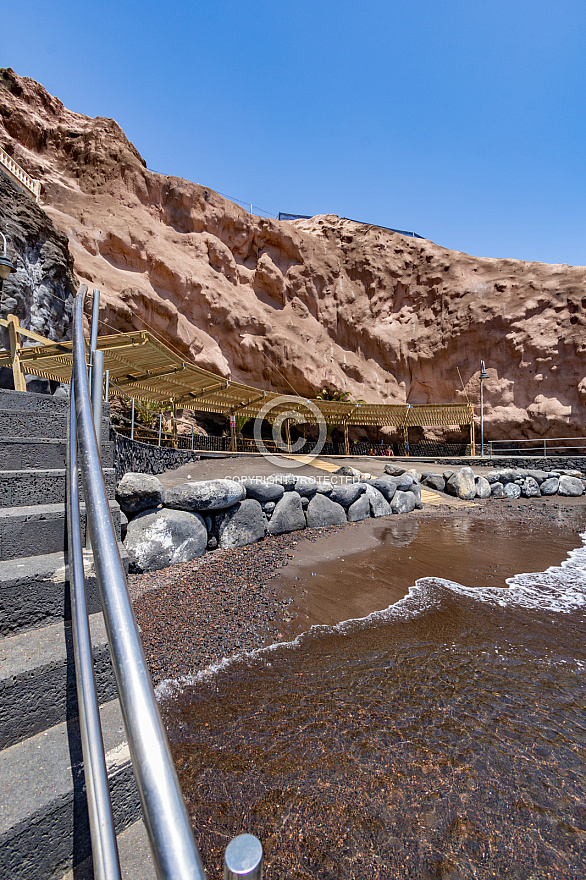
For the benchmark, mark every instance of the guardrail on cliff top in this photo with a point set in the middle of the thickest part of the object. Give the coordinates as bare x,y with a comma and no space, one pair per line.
13,168
285,216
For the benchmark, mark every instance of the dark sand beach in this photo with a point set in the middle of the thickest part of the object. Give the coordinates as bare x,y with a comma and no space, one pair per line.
442,737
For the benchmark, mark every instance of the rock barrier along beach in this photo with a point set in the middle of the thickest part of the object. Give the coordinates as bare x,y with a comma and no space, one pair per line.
167,526
178,523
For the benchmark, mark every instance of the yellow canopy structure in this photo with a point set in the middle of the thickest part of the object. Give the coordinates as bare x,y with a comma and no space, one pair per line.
144,368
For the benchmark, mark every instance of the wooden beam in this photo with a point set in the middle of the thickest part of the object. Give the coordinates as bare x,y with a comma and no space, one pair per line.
14,336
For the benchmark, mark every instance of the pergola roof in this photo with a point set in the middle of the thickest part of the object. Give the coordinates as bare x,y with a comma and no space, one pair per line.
146,369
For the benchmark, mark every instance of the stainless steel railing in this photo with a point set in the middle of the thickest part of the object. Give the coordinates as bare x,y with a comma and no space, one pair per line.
175,854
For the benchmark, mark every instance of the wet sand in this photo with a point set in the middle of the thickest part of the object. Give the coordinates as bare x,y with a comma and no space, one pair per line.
196,613
367,570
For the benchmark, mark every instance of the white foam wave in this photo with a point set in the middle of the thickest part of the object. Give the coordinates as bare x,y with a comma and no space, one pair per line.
559,589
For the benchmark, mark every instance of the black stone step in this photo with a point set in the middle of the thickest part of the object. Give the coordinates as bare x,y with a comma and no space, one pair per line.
39,529
37,678
33,485
44,826
34,591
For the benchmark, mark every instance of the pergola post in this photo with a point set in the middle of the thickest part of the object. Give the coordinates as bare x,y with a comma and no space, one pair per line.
233,441
472,439
346,441
288,435
15,346
174,424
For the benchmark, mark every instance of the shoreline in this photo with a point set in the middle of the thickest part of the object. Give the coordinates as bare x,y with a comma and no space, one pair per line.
197,613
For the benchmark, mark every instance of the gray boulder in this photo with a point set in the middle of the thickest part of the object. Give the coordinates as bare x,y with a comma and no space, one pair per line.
394,470
206,495
346,495
306,486
434,481
512,490
497,490
325,488
386,487
322,511
379,506
262,490
164,537
287,481
530,488
347,471
288,515
447,474
304,501
415,489
570,487
462,484
538,475
240,525
482,487
136,492
403,502
268,507
404,482
550,486
360,509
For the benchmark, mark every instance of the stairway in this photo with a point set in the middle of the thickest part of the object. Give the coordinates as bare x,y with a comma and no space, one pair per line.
44,829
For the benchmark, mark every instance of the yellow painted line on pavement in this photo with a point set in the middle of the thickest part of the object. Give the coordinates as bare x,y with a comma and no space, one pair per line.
314,462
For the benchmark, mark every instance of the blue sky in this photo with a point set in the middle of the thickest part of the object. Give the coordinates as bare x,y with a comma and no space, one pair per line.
463,121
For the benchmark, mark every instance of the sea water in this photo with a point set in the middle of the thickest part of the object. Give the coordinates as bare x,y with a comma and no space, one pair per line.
441,737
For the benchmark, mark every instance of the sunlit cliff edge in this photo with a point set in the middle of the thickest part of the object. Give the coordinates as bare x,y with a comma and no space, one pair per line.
296,306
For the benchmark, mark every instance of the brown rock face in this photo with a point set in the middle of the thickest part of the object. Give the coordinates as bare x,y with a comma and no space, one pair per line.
296,306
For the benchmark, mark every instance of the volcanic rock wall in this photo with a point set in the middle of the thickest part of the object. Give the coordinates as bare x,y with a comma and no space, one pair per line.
296,306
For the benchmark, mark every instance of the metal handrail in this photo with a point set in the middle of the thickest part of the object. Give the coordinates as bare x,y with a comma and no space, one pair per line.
105,848
175,854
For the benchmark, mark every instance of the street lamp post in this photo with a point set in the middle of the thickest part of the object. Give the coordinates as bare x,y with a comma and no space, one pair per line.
483,376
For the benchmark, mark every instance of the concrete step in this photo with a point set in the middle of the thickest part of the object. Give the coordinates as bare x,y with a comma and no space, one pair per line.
136,860
34,591
44,827
23,453
32,485
39,529
37,678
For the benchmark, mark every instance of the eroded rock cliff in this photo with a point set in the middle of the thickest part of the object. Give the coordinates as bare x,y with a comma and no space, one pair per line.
296,306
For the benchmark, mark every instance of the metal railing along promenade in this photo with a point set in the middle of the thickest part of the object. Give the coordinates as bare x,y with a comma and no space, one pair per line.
567,446
175,853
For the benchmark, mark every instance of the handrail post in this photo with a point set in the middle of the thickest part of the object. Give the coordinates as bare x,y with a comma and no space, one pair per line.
243,858
192,436
97,393
132,422
93,333
160,426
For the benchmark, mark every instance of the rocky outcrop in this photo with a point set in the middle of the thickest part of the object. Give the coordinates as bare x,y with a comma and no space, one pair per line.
41,290
300,305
